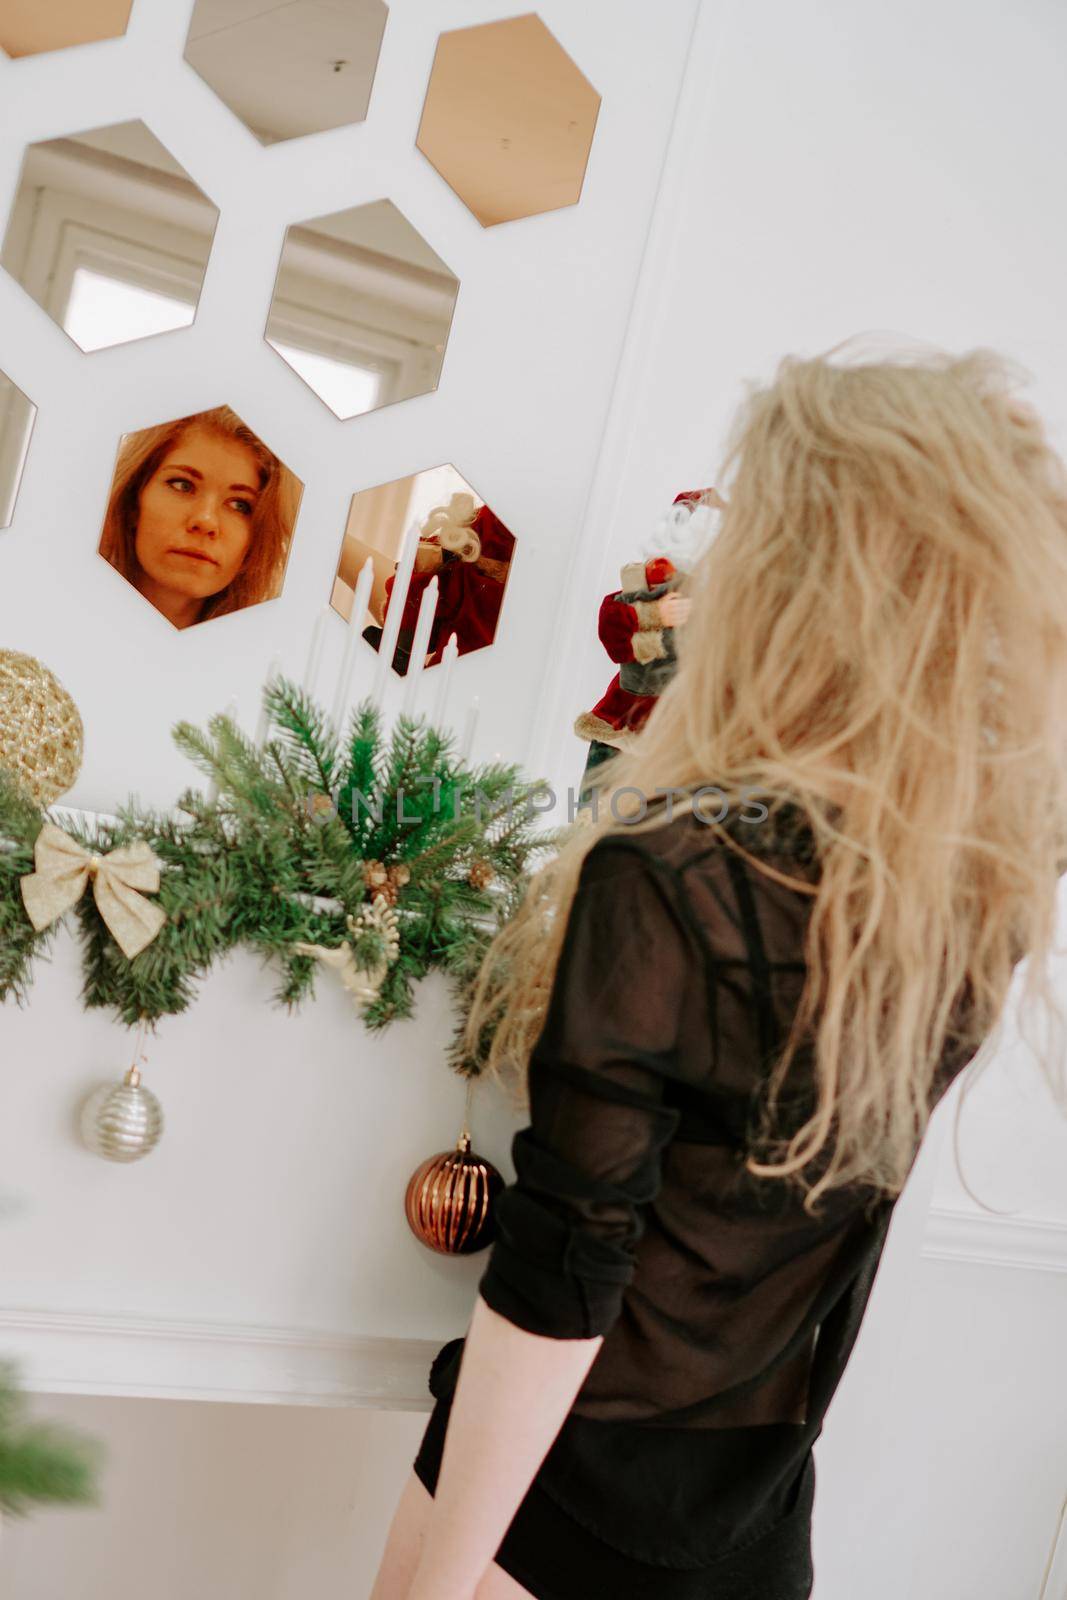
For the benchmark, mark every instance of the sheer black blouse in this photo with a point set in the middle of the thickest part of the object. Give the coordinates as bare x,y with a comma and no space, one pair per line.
728,1312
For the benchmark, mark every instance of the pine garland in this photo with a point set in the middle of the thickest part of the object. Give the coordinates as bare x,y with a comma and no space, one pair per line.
299,836
40,1463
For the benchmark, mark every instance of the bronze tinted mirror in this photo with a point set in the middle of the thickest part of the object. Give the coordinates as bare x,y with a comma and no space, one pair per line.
448,534
288,69
16,424
30,27
200,516
508,120
109,235
361,308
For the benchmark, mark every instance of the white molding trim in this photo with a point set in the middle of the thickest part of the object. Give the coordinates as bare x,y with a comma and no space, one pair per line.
81,1352
993,1241
548,748
75,1352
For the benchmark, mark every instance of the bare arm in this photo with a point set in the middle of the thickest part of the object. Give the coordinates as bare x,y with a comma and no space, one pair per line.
512,1395
568,1227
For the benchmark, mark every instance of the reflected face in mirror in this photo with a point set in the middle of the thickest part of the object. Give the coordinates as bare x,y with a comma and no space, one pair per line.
28,28
16,425
200,517
195,521
508,120
109,235
362,308
288,69
452,538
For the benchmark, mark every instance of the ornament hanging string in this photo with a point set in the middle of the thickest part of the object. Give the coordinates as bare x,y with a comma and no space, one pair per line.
464,1140
139,1053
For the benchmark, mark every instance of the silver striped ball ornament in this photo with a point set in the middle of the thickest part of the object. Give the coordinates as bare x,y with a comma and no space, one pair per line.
122,1121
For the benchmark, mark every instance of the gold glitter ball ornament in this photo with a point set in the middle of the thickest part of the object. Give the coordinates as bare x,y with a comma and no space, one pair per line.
40,729
449,1201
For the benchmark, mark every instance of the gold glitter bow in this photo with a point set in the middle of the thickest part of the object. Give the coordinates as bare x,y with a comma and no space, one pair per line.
64,867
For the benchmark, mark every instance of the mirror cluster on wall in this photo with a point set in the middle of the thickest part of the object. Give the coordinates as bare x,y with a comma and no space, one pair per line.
461,542
29,27
292,69
200,516
109,234
361,308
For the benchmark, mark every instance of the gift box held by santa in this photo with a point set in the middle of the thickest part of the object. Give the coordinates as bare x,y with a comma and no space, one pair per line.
637,621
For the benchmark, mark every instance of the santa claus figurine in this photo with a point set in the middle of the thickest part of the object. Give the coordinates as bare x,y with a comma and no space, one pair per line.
469,550
637,622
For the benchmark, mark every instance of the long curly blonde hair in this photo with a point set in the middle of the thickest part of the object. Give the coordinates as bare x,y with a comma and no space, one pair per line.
878,633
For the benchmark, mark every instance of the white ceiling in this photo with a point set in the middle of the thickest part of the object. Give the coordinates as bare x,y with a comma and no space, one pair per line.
274,65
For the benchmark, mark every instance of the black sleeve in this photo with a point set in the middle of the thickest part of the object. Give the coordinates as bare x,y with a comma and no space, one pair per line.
566,1228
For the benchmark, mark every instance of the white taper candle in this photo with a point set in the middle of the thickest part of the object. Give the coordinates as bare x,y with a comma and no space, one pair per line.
397,598
263,721
420,644
468,731
318,639
352,638
444,678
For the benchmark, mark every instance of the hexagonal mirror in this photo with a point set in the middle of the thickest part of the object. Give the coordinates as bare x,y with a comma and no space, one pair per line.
28,28
16,425
508,120
434,542
109,235
292,69
361,308
200,517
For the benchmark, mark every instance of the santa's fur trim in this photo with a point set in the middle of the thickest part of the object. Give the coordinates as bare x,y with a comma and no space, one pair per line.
649,614
647,645
588,726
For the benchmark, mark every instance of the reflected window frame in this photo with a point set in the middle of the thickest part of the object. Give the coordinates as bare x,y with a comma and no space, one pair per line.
315,312
16,435
53,229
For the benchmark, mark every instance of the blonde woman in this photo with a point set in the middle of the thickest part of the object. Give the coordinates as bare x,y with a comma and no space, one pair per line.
200,516
734,1014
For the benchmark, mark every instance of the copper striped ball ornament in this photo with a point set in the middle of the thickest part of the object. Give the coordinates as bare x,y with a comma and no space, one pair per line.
449,1201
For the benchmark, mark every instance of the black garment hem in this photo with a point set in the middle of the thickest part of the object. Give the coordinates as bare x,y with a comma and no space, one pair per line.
556,1557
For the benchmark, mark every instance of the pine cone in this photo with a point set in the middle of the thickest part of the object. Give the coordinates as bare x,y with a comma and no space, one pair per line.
398,874
480,875
375,876
386,891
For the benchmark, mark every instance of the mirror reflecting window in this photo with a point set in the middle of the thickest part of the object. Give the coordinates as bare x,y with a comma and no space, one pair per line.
29,27
200,516
508,120
362,308
109,235
291,69
456,537
16,425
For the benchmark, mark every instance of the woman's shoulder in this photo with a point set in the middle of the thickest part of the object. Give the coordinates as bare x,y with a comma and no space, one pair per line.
703,833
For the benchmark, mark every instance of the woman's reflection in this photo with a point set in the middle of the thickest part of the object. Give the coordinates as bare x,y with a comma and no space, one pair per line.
200,516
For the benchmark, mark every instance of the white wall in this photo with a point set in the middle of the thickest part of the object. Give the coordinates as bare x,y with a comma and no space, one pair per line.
834,167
